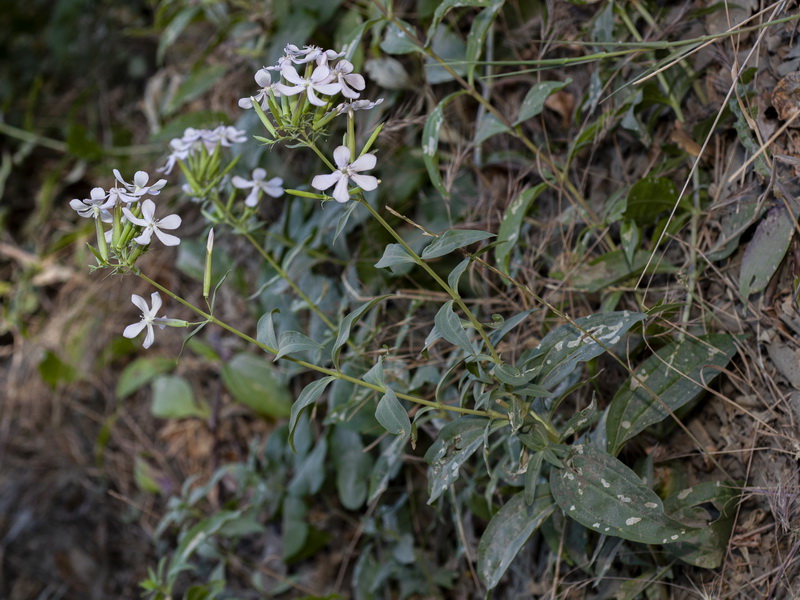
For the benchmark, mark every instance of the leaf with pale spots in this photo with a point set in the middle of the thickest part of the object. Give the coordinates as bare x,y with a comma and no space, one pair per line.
601,493
430,142
458,440
675,374
508,531
562,349
706,546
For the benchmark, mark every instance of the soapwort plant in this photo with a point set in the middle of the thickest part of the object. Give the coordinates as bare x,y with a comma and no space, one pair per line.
494,413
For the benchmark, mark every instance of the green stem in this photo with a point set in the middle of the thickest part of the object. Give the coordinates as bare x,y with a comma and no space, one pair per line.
312,367
444,285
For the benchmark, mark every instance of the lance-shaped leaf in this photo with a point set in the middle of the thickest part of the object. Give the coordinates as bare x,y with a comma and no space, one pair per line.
565,347
477,35
294,341
430,142
442,10
674,374
601,493
449,326
392,416
507,532
512,222
393,256
347,324
457,441
452,240
534,100
310,394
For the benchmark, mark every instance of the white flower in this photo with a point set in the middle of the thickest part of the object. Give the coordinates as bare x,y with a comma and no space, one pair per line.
272,187
227,136
347,171
152,225
96,205
180,151
139,187
320,81
264,80
149,319
354,105
343,73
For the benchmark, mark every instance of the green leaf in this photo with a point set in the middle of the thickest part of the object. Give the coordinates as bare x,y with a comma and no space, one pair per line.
310,394
563,348
707,545
452,240
394,255
649,198
347,325
173,399
294,341
442,10
508,531
477,36
765,252
455,275
603,494
581,421
353,467
251,381
512,223
670,374
533,103
458,440
613,267
174,29
449,327
392,416
395,40
449,47
310,473
532,472
430,142
193,539
265,330
145,477
54,371
488,127
342,223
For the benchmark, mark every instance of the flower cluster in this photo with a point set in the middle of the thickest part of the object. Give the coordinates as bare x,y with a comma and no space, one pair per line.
131,214
195,140
325,74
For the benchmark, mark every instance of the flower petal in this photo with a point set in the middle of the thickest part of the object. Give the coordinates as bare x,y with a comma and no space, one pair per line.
131,331
263,78
323,182
259,174
167,239
135,220
148,210
140,303
313,99
169,222
149,338
155,300
144,239
290,75
364,163
365,182
341,156
140,179
340,193
241,182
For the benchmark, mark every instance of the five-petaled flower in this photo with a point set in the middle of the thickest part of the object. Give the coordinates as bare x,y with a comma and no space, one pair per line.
264,80
96,205
149,318
272,187
152,225
343,72
346,172
320,81
139,187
